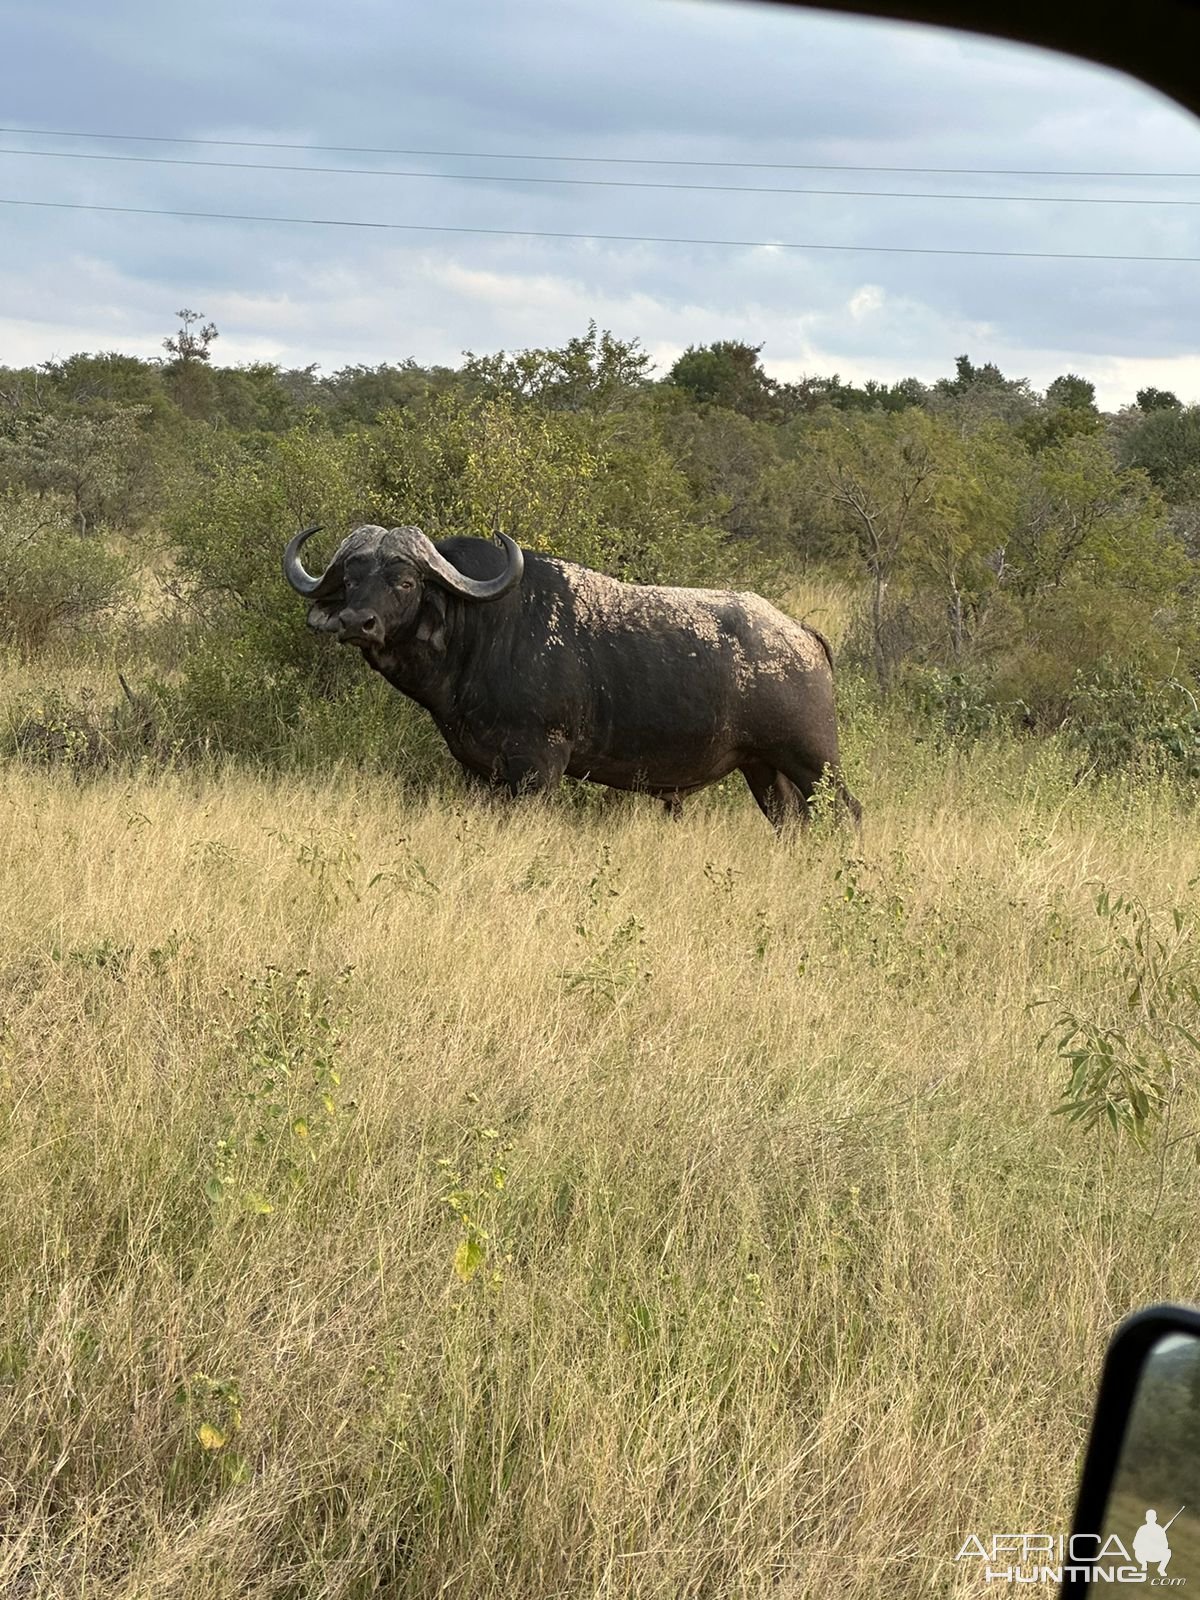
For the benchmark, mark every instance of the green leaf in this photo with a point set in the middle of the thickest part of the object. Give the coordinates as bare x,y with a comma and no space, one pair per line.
468,1259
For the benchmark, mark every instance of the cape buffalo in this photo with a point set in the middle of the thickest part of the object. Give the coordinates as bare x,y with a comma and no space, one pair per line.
533,667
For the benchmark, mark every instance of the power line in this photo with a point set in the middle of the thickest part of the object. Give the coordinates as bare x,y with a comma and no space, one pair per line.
597,183
602,238
638,161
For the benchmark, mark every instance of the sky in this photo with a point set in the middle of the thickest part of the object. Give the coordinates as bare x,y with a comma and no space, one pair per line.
708,96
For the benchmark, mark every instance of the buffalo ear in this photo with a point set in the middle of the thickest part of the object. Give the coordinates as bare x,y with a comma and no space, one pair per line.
431,623
328,599
323,614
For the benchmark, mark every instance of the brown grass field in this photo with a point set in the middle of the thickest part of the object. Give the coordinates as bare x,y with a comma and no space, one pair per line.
420,1198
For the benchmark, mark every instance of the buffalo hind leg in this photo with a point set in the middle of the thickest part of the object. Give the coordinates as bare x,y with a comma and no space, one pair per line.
806,779
779,800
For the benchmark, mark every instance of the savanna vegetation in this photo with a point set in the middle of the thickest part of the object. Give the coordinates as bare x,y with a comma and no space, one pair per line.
405,1195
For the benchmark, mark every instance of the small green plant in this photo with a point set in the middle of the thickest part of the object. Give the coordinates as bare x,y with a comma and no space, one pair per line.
102,956
764,931
537,875
614,960
330,860
1112,1081
289,1105
213,1408
476,1183
954,707
603,885
1126,1064
407,872
723,879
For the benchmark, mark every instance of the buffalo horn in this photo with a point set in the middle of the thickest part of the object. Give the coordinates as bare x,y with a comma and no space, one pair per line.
431,560
293,568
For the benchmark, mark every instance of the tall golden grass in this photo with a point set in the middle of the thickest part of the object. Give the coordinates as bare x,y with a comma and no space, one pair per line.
436,1198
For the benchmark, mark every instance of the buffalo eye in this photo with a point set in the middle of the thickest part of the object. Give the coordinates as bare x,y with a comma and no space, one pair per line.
407,583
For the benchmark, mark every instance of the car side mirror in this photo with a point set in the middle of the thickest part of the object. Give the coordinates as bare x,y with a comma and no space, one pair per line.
1137,1518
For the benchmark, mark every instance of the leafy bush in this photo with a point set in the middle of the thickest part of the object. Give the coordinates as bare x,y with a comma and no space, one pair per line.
82,732
98,460
954,706
1121,717
251,671
52,579
602,489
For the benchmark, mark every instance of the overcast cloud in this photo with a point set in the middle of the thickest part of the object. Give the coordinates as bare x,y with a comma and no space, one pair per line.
679,80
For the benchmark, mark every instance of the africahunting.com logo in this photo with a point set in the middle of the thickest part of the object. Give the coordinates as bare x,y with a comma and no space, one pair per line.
1049,1557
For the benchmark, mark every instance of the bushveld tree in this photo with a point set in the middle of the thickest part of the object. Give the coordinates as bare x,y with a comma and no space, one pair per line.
1083,512
878,474
52,578
1096,572
809,393
357,396
957,554
93,458
727,374
108,378
1165,441
739,470
191,342
190,347
595,372
1068,409
980,394
589,488
1071,392
930,509
1152,399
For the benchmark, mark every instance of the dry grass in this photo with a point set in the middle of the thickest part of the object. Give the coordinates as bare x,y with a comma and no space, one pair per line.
787,1278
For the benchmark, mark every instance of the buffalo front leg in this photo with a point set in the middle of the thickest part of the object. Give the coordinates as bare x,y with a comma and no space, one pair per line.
480,784
532,771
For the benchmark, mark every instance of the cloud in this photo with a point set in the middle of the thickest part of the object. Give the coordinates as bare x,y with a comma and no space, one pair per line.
865,301
655,80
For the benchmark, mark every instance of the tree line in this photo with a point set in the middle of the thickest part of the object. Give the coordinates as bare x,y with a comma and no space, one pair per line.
1014,554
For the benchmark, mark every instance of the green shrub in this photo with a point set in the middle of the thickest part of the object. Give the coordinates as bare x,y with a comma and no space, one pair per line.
83,732
255,681
955,706
252,676
1120,717
602,490
52,579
